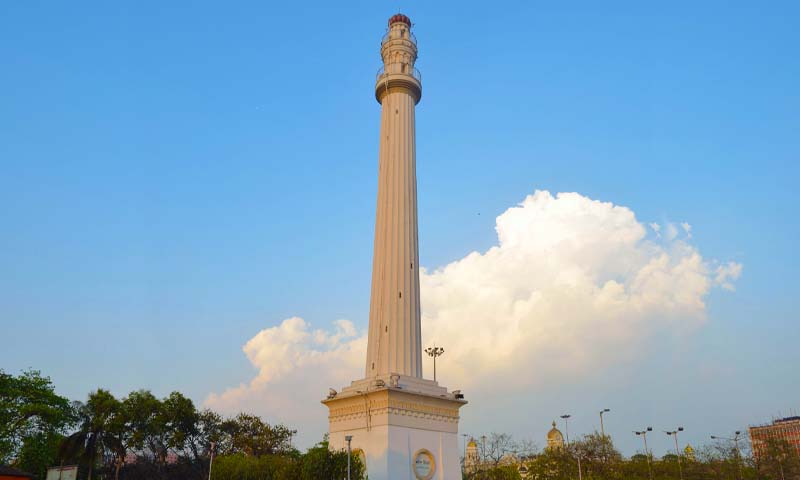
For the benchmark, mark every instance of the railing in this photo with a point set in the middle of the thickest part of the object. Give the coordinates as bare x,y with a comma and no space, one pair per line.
382,72
406,36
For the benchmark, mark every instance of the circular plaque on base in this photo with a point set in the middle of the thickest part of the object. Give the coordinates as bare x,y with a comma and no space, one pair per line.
424,464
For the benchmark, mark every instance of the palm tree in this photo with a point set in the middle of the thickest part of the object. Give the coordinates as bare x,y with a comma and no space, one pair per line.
97,433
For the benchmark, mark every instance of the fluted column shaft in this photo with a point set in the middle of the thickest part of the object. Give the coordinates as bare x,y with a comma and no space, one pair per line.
394,344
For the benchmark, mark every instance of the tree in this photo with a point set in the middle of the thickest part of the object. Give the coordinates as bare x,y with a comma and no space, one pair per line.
778,460
496,447
95,435
39,451
250,435
320,462
599,458
30,409
146,426
551,464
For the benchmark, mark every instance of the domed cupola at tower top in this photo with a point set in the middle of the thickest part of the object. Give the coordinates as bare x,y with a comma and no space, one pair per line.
399,18
555,439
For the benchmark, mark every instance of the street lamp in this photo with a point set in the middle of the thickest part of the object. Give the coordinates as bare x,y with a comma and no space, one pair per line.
566,418
602,428
483,452
210,462
348,439
674,433
434,352
464,458
735,440
643,434
566,425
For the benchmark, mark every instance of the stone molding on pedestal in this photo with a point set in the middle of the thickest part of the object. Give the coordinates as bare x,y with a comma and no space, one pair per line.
435,409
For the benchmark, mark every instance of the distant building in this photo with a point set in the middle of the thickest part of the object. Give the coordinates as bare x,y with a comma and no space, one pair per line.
473,462
472,458
555,440
688,452
787,429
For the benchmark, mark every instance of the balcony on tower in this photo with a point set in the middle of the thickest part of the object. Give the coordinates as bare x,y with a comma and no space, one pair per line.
400,34
399,53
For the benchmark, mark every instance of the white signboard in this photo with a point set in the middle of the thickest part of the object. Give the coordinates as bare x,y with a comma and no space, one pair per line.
63,473
424,465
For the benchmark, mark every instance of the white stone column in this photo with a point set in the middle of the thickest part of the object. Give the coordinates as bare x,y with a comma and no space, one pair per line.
405,426
394,344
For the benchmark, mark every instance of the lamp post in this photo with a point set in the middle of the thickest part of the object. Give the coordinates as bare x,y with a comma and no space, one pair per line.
602,428
735,440
643,434
603,433
566,425
210,462
348,439
483,452
464,458
566,418
434,352
674,433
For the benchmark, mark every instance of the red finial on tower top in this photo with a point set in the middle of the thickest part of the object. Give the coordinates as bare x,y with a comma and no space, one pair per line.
399,18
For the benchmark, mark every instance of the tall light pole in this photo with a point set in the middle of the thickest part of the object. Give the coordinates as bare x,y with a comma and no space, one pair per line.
674,433
643,434
566,418
210,462
603,433
735,440
566,425
602,428
434,352
464,458
348,439
483,452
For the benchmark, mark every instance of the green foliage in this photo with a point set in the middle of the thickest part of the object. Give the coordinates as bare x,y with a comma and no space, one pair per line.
778,460
600,460
316,464
266,467
38,452
32,415
250,435
321,463
96,435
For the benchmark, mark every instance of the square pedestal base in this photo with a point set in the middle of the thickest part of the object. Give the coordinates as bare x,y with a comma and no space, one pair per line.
407,431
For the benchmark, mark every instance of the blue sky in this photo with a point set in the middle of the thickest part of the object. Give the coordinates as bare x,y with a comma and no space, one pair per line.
176,177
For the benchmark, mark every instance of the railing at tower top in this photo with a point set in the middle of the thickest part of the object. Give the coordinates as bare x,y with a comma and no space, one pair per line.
382,72
405,35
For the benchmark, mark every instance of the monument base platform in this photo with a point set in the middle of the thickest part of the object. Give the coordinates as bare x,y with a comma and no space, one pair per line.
402,427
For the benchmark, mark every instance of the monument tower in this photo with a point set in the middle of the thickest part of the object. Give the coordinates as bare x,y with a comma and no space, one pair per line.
402,425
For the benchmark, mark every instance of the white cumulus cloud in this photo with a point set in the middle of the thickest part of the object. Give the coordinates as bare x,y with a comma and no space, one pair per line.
571,284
